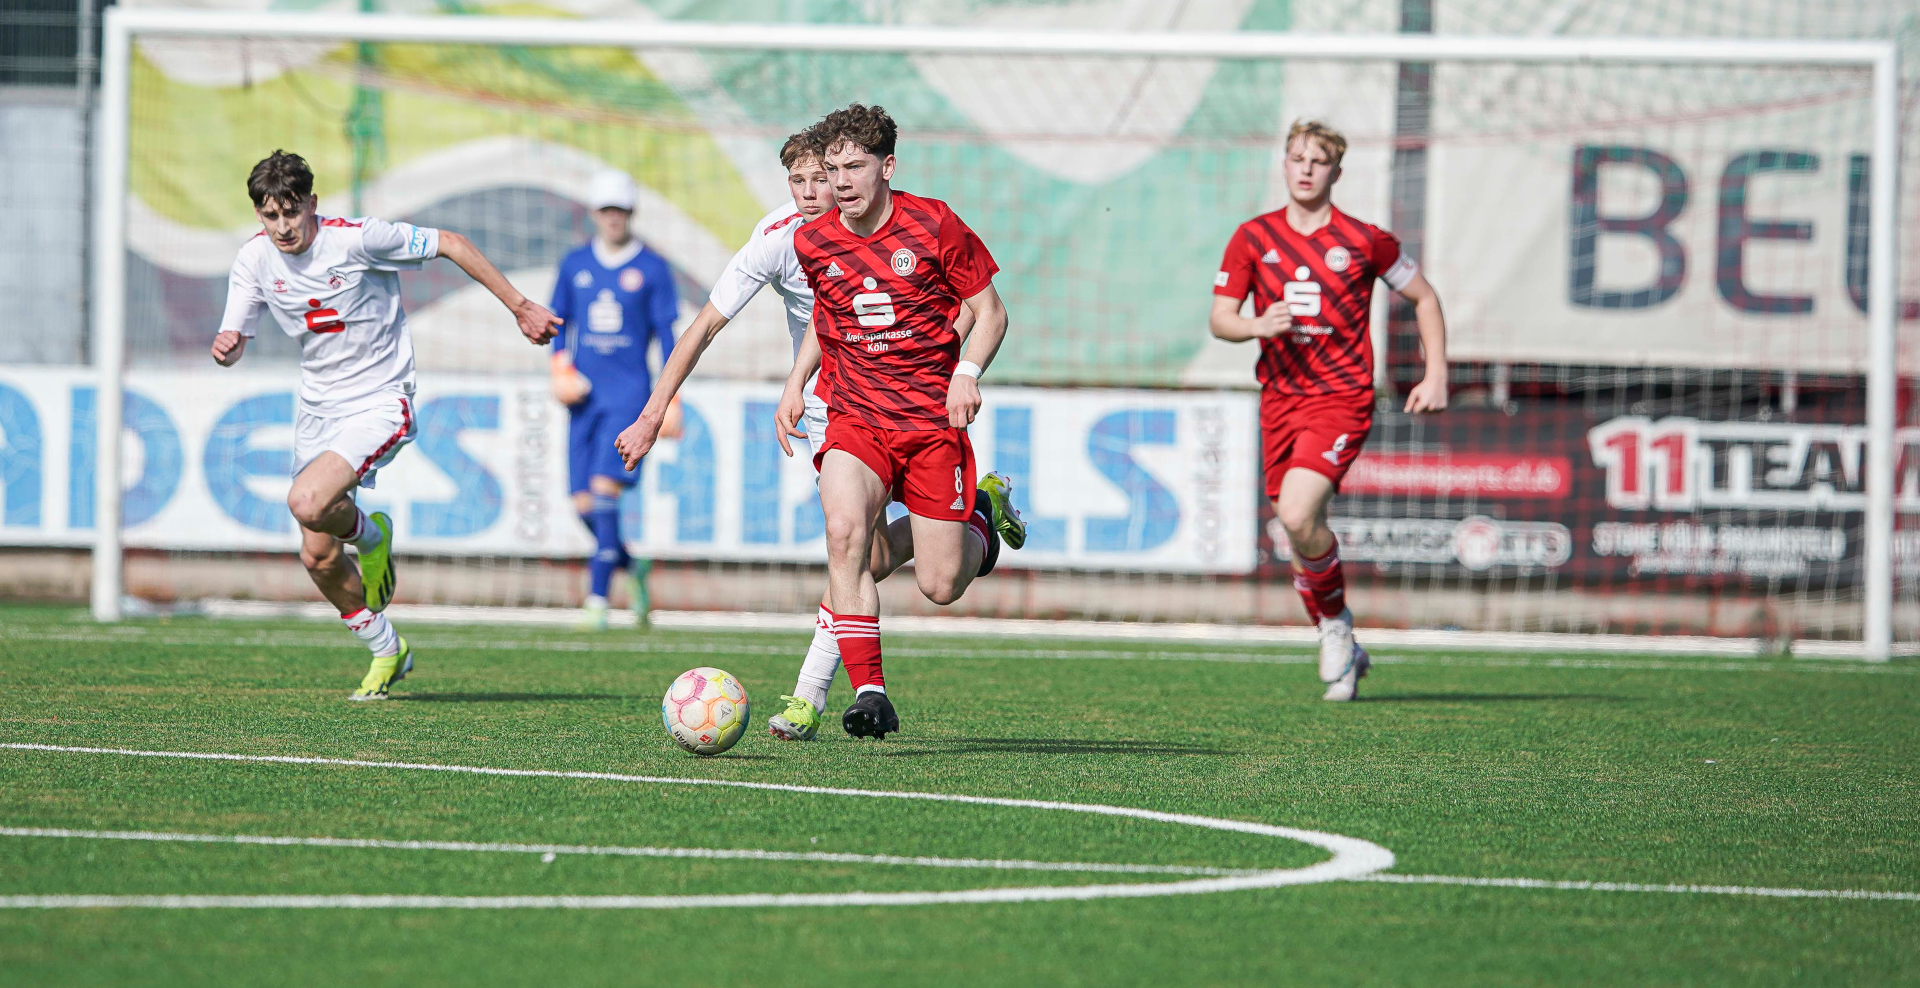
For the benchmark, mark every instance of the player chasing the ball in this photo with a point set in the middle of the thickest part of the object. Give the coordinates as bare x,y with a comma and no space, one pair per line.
891,271
1310,269
334,285
616,299
768,258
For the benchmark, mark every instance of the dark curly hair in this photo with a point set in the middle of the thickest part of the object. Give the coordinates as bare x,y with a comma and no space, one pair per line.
865,127
805,144
281,177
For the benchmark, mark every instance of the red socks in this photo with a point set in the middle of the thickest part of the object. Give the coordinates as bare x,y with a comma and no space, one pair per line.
859,638
1322,586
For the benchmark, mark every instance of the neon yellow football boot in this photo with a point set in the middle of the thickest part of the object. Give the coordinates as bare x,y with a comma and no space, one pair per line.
376,565
385,671
1006,520
799,722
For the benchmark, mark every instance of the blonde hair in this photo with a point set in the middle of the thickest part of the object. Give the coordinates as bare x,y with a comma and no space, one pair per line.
1332,140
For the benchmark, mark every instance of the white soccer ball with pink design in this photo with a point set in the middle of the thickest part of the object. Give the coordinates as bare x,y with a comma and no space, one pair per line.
706,710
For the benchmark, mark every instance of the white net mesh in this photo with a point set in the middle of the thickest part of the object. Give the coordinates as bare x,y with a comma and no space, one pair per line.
1653,275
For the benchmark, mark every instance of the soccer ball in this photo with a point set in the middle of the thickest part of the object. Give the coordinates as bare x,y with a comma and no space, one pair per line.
706,710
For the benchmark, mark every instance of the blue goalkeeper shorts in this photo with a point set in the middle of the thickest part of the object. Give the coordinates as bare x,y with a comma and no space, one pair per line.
590,451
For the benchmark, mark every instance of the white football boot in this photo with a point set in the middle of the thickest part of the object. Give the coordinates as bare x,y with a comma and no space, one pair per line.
1337,649
1347,687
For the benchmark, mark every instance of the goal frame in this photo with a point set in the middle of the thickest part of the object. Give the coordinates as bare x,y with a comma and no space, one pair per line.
121,24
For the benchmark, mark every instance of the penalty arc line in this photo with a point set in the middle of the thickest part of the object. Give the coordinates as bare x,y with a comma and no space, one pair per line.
1352,857
550,850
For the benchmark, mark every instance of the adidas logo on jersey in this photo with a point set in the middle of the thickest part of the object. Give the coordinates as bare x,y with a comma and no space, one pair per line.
833,269
959,504
1270,257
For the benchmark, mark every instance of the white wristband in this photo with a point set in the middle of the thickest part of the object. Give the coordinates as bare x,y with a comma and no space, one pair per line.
967,368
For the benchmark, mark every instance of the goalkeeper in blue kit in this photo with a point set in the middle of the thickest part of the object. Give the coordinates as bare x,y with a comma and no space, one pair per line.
615,297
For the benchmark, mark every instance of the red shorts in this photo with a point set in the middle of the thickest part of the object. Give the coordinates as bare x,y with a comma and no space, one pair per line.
1322,433
931,472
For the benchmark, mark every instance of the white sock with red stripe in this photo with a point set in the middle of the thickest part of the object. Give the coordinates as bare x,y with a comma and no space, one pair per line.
823,660
365,535
374,630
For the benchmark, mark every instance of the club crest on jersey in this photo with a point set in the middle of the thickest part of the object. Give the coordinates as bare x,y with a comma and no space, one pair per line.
631,279
583,279
833,269
904,261
1270,257
333,280
1338,258
279,285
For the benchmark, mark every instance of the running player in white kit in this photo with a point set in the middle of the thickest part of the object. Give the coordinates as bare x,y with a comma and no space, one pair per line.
334,284
768,259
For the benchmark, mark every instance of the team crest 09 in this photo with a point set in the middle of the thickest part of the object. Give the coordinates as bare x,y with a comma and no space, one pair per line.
1338,258
904,261
631,279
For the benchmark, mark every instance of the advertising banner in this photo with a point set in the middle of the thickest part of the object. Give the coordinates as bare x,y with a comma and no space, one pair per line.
1107,479
1627,499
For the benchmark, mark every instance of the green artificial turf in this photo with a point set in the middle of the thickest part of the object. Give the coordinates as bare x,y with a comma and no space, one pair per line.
1637,769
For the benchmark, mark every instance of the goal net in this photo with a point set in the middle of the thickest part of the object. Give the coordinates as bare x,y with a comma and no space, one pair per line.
1655,276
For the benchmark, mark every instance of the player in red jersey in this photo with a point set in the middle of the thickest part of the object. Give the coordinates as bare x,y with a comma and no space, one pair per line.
890,272
1310,270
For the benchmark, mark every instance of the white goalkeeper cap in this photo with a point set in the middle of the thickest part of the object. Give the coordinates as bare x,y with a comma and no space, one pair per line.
612,189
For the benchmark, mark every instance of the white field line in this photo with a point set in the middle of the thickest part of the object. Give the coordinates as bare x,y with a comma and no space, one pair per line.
1538,883
985,649
1351,858
720,854
1525,641
615,902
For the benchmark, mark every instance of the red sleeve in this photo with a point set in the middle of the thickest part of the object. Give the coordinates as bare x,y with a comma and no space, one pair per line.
1385,251
1235,277
963,258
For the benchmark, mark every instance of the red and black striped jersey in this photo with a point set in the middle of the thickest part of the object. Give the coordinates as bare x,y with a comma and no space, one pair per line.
1326,279
884,307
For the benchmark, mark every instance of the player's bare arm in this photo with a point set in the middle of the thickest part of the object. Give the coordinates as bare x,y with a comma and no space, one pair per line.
989,329
793,402
1226,322
637,439
536,323
228,348
1430,395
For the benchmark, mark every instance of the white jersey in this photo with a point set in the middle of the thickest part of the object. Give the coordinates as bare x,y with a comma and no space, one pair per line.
768,259
341,300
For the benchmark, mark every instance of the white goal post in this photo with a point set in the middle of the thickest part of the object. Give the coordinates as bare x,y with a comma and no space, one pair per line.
121,25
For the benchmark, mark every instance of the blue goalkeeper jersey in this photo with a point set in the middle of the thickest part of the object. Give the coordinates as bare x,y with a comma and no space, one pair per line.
612,315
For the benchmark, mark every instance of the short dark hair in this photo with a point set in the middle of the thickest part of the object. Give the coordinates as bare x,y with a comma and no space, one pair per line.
866,127
805,144
281,177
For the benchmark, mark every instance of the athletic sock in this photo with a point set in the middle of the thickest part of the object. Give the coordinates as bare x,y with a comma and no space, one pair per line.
981,523
823,660
374,630
859,638
1322,585
365,535
608,552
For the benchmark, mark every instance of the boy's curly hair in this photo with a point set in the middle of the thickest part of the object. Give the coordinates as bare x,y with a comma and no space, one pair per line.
866,127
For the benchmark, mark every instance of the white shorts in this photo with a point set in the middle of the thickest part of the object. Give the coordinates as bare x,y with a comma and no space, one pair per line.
815,422
367,439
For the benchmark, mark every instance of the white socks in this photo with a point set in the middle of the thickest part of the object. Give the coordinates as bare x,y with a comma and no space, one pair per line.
375,631
823,660
365,535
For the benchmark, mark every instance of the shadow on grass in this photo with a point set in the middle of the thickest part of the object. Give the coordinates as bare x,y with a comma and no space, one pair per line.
1494,698
505,697
1045,746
